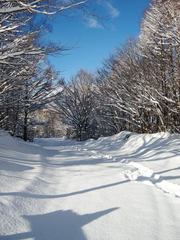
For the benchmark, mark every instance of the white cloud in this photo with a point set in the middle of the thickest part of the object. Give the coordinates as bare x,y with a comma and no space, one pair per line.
93,22
114,12
108,8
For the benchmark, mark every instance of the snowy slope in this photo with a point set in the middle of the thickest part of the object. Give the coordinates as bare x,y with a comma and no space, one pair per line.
122,187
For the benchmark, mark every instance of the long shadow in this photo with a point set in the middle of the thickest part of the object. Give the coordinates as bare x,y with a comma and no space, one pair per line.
154,180
18,160
108,142
170,177
168,170
153,151
138,155
59,225
40,196
12,176
57,142
48,153
9,165
70,163
151,148
20,163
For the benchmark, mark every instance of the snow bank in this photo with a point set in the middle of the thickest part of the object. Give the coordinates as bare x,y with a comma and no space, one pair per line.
6,140
153,159
109,143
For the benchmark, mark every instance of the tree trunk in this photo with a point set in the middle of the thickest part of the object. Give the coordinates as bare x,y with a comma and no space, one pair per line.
25,127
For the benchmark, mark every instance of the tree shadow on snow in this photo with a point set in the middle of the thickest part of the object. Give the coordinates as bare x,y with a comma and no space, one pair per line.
45,196
9,165
59,225
153,147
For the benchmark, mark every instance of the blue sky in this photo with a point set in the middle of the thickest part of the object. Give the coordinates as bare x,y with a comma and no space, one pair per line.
93,40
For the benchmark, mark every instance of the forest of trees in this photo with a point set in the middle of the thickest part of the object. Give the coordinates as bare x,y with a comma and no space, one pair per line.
137,89
27,81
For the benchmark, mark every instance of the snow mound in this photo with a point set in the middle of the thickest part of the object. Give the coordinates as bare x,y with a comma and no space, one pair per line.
109,143
152,159
6,140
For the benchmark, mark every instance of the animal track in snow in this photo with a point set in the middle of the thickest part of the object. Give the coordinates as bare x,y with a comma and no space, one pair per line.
137,172
145,175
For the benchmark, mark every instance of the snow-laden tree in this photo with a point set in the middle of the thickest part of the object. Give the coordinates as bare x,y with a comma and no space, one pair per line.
17,71
36,92
160,44
77,105
139,87
22,55
121,92
38,6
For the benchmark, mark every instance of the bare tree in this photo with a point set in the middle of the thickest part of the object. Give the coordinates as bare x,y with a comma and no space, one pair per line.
77,105
139,87
22,56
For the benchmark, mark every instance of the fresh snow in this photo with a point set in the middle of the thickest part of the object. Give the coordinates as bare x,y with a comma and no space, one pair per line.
122,187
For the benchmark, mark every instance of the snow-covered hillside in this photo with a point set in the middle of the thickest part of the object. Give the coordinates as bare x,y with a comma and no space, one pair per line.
122,187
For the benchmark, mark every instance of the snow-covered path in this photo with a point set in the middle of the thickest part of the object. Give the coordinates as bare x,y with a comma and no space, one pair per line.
98,190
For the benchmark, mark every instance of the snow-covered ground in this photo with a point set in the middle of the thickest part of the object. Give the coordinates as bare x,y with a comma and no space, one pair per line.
124,187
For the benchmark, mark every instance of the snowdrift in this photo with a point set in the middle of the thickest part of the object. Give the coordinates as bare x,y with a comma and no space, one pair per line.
153,159
6,141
